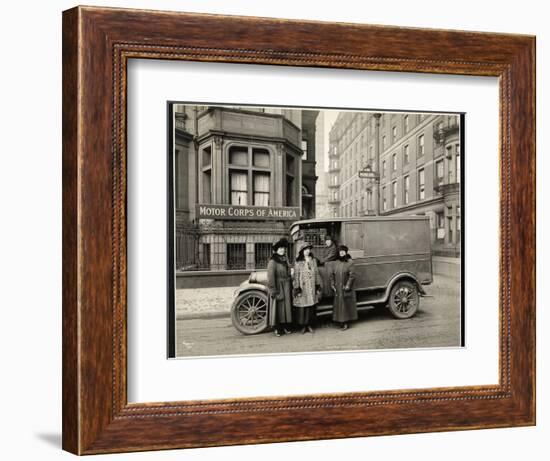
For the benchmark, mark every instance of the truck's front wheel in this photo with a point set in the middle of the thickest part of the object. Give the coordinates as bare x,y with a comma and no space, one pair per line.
404,299
249,312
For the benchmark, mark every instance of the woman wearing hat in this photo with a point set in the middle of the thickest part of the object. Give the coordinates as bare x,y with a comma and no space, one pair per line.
344,309
279,287
307,286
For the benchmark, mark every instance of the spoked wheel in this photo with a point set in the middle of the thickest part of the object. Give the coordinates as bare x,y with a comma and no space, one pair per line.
249,312
404,300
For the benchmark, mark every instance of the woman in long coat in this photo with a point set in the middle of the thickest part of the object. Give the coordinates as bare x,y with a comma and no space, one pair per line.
342,278
279,287
307,286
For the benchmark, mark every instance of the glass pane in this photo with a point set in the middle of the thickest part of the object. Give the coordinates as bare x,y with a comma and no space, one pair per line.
238,156
261,189
239,188
261,158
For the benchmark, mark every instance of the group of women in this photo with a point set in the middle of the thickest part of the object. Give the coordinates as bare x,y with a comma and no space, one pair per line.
294,297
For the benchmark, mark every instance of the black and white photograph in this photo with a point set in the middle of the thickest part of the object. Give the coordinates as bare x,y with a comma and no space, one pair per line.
301,230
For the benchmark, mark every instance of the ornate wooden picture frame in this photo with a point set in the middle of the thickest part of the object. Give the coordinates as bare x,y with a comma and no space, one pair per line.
97,44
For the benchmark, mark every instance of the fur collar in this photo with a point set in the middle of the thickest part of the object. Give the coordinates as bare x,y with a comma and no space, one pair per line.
344,258
279,259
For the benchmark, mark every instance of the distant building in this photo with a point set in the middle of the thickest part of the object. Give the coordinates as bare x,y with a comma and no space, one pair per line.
417,157
242,175
322,208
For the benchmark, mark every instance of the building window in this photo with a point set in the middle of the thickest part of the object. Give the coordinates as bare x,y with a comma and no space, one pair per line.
204,256
206,156
383,172
369,200
384,202
421,184
406,123
239,187
260,158
458,225
421,117
383,143
261,188
394,194
450,164
394,134
304,149
439,172
457,163
207,186
179,179
371,152
421,145
290,164
394,162
236,256
406,156
440,225
289,190
290,173
406,188
450,224
238,155
262,253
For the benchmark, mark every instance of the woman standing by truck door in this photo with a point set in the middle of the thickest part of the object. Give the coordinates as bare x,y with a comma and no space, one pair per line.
279,285
307,285
342,278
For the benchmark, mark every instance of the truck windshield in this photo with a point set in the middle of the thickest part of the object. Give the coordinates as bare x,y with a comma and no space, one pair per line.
316,233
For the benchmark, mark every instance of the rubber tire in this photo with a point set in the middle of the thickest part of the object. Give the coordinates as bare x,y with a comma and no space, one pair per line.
246,330
410,286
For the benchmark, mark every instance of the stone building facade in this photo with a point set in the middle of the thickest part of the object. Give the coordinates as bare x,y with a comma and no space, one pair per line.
416,169
242,175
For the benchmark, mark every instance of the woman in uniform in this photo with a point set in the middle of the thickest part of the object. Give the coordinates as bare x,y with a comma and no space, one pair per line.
279,288
342,278
307,287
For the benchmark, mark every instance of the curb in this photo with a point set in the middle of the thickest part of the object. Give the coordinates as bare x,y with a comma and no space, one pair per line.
204,315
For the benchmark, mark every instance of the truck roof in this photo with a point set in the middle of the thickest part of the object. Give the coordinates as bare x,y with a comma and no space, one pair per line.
361,218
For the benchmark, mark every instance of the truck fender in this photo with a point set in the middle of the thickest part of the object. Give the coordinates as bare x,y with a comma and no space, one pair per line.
403,276
249,287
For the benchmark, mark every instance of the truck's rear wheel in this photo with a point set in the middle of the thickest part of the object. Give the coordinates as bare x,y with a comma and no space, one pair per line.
249,312
404,299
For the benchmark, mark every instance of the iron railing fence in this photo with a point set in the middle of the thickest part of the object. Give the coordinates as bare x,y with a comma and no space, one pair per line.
200,251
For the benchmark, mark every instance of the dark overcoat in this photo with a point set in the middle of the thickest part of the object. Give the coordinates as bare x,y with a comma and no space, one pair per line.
344,308
279,284
327,261
330,253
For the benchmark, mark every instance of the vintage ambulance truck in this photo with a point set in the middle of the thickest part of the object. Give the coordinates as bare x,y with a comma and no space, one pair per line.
392,260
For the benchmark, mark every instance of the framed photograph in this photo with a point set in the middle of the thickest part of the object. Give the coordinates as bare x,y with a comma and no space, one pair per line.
282,230
295,187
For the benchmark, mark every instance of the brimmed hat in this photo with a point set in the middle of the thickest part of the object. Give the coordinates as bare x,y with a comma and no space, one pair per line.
329,237
303,245
281,243
343,248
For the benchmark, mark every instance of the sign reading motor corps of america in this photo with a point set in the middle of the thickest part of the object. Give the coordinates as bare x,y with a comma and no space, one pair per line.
258,213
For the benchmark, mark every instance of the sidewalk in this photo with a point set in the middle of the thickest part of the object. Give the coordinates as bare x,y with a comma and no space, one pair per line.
203,302
443,265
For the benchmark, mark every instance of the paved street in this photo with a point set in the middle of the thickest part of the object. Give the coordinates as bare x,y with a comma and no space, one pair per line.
204,326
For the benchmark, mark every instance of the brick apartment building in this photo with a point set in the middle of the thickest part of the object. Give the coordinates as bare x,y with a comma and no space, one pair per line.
416,169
